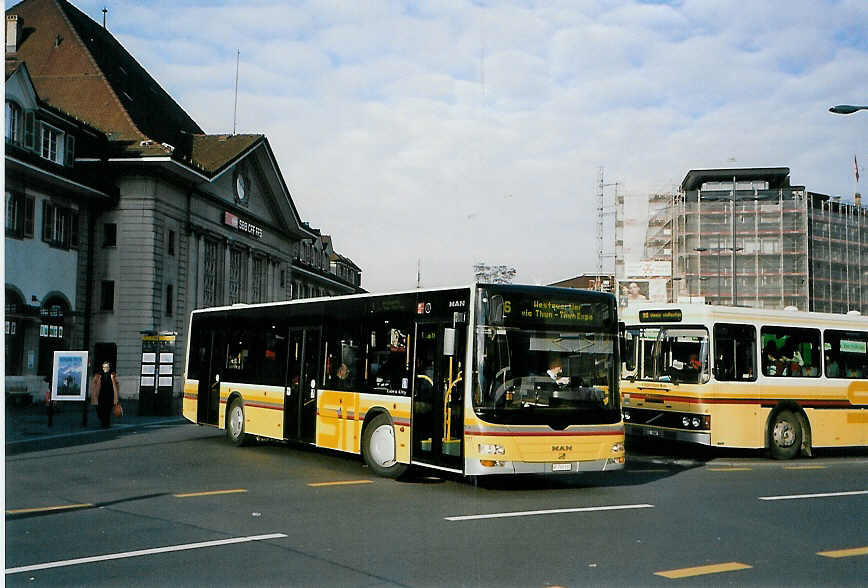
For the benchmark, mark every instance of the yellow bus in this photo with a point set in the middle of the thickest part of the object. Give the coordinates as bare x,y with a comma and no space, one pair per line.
485,379
783,380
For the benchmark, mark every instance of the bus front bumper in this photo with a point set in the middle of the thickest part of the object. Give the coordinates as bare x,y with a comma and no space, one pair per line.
476,467
699,437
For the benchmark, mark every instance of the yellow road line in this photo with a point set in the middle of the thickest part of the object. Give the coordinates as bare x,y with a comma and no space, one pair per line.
340,483
48,508
805,467
729,469
211,493
702,570
845,552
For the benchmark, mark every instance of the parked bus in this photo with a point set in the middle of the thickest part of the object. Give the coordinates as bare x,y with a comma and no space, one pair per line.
784,380
486,379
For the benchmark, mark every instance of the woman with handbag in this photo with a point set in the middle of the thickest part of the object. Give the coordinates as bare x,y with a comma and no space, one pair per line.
104,393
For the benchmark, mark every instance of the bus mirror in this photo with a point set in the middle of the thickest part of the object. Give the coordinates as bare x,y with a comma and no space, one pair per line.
448,341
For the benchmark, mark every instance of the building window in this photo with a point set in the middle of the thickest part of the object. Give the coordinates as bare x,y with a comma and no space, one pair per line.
19,215
110,235
170,299
171,244
210,282
283,278
13,123
59,226
237,276
258,285
107,295
52,144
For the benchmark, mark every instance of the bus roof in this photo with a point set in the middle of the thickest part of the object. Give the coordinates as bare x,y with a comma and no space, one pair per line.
516,287
649,313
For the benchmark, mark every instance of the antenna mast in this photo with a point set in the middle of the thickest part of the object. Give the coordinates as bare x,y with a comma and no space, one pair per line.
604,210
235,112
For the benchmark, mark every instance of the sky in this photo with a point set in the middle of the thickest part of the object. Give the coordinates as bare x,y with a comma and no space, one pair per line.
445,133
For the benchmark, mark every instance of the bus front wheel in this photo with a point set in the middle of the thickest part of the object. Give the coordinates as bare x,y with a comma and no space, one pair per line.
785,435
235,424
378,448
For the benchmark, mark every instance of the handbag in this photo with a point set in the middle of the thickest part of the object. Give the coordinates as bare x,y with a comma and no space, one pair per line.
118,410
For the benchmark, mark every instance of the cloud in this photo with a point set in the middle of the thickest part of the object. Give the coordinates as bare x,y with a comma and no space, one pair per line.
458,132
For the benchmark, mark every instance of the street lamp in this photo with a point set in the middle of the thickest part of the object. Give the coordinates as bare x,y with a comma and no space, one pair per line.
846,109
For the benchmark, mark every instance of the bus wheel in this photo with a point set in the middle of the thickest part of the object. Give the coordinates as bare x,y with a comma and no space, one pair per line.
785,435
378,448
235,424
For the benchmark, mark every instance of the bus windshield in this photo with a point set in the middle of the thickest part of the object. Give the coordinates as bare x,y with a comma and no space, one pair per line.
547,372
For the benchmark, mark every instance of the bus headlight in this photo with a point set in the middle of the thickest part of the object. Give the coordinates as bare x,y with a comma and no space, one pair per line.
617,447
491,449
695,422
685,421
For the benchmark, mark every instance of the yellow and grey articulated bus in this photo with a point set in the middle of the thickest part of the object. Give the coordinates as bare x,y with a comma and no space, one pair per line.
485,379
784,380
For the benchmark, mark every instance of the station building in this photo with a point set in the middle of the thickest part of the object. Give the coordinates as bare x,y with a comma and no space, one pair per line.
147,216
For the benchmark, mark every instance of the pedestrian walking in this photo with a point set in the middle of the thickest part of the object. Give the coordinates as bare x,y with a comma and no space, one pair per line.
104,393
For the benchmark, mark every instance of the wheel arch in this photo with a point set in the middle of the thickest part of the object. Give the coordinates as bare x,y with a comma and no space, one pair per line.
804,421
233,396
373,413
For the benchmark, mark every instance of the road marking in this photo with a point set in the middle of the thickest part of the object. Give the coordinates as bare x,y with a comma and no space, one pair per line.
127,554
211,493
844,552
826,495
47,508
702,570
530,513
340,483
729,469
805,467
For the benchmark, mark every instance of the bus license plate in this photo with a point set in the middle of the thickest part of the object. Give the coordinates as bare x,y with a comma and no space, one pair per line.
562,467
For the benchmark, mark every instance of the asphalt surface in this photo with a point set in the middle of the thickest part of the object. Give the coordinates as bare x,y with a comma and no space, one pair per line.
168,503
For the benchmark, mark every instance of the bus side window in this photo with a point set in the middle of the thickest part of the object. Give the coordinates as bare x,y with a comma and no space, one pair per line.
734,352
388,357
344,362
791,352
846,354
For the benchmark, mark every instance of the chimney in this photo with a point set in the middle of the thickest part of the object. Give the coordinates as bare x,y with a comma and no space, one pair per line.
13,33
858,198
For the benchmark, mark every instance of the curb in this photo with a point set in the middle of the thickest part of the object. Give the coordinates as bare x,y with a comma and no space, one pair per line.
57,440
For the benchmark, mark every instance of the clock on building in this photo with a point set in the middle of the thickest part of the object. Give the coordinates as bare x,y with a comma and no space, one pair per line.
242,188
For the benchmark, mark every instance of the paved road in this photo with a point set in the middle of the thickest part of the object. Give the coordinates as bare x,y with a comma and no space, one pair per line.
178,505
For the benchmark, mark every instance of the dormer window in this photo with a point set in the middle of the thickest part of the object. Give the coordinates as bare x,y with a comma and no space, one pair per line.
52,144
13,123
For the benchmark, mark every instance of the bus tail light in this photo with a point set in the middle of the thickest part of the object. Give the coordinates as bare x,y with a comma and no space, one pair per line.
490,463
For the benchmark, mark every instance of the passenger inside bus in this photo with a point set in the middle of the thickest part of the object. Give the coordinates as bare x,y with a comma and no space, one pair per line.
772,364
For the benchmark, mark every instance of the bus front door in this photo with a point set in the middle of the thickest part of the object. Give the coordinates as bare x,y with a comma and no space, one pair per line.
438,396
299,415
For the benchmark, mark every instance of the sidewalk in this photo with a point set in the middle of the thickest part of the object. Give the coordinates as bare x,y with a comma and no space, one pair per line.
27,427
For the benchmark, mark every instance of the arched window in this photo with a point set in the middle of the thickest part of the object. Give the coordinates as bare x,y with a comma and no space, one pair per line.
14,324
52,332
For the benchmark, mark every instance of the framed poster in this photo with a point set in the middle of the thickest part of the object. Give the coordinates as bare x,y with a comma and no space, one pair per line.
69,375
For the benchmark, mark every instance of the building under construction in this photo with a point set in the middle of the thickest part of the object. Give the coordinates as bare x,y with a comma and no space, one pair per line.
747,237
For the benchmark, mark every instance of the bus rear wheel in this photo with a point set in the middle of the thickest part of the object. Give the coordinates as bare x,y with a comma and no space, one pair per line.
235,424
785,435
378,448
